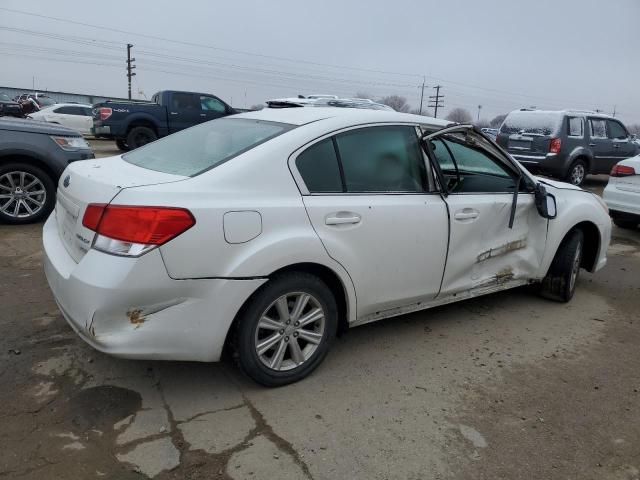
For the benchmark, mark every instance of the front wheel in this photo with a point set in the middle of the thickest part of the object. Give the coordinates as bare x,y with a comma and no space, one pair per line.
27,193
560,282
286,330
122,146
577,173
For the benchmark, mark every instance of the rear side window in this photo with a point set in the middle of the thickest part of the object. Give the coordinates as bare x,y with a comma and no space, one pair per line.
200,148
318,166
576,127
382,159
598,128
536,122
617,131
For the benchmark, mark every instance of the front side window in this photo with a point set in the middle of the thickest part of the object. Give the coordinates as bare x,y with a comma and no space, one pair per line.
200,148
210,104
319,168
382,159
467,168
617,131
576,127
598,128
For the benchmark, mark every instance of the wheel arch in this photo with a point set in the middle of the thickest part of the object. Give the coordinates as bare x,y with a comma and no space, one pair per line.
142,121
591,247
32,160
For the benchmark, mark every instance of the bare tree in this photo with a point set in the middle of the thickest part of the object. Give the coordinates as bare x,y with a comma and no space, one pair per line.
425,112
482,123
398,103
497,120
459,115
634,128
258,106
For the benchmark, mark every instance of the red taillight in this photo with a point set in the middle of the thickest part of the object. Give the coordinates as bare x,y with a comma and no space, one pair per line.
622,171
142,225
555,145
105,112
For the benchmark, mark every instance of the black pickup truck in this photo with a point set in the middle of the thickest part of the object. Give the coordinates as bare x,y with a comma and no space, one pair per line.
136,123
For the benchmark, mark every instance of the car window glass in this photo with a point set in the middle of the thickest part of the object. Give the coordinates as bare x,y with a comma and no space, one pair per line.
598,128
211,104
616,130
382,159
467,168
318,166
61,110
576,127
88,111
185,101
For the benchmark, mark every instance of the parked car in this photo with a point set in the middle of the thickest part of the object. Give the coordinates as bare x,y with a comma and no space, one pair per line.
622,193
32,157
491,132
41,99
72,115
566,144
134,124
267,232
9,108
323,101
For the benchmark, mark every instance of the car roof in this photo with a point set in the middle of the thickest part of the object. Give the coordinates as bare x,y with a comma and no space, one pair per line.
346,116
574,113
58,105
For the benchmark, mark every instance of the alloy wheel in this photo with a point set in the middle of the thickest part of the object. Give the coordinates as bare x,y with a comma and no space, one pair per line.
289,331
577,174
575,267
22,194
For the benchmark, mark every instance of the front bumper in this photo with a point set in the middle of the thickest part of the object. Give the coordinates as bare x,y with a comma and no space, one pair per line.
131,308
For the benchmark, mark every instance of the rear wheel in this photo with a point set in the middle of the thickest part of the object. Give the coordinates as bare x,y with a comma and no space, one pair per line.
122,145
27,193
625,223
577,173
560,282
139,136
286,330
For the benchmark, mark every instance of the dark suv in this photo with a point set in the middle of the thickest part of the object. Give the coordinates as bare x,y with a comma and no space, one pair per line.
33,155
566,144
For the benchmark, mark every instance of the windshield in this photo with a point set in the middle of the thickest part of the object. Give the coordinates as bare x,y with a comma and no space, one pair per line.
4,97
533,122
204,146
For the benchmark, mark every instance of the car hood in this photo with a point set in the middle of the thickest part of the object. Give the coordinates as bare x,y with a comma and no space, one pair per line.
557,184
34,126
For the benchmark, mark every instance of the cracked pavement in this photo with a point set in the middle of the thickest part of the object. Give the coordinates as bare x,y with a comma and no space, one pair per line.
506,386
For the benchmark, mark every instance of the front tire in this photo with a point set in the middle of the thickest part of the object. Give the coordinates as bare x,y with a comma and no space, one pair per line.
140,136
560,282
27,193
577,173
286,329
122,145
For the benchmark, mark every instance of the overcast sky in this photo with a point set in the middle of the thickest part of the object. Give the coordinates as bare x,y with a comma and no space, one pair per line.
499,54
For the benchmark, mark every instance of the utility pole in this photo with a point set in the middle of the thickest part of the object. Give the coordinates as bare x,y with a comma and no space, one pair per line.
479,108
421,95
130,67
614,111
435,102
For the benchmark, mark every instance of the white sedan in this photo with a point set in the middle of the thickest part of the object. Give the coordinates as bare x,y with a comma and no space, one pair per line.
266,233
622,193
72,115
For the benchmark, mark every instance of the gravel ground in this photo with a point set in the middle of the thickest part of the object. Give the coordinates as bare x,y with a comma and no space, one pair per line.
507,386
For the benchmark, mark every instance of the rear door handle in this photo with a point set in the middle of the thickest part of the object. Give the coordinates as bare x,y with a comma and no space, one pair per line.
592,145
342,218
466,214
174,113
203,114
615,145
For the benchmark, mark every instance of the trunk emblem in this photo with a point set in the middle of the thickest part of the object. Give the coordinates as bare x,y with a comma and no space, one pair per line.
66,181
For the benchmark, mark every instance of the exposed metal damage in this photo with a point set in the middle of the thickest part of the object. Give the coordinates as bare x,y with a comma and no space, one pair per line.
503,249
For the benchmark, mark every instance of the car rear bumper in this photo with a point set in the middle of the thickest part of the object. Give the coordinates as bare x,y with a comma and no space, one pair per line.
131,308
104,130
549,163
621,201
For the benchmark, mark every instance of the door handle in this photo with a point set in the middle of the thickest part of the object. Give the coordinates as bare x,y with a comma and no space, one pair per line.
174,113
592,145
466,214
203,114
615,145
342,218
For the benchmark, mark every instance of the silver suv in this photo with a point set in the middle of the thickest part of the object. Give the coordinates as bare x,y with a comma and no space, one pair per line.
566,144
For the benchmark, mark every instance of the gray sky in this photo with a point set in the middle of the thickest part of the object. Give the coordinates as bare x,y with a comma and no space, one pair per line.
495,53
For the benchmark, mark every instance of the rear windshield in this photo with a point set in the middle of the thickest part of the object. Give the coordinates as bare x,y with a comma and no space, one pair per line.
532,122
200,148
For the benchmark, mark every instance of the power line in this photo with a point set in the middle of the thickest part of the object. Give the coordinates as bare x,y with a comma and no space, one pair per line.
435,103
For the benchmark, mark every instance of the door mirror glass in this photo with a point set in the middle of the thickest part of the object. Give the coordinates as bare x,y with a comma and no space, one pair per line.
545,202
551,206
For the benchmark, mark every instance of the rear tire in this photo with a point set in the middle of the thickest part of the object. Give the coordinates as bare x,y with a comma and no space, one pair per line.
276,316
577,173
122,145
140,136
626,224
560,282
27,193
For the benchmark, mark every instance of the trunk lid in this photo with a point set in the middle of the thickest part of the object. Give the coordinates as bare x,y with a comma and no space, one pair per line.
95,181
629,183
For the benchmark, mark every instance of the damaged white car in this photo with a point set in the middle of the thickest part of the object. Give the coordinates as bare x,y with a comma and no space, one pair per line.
266,233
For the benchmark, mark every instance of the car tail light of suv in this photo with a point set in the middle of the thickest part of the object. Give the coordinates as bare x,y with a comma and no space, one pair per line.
555,145
105,112
622,171
132,231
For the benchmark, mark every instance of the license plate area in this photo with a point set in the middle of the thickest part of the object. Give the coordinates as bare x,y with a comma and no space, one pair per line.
520,144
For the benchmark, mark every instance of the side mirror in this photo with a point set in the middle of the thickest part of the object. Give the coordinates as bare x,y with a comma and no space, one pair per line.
545,203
